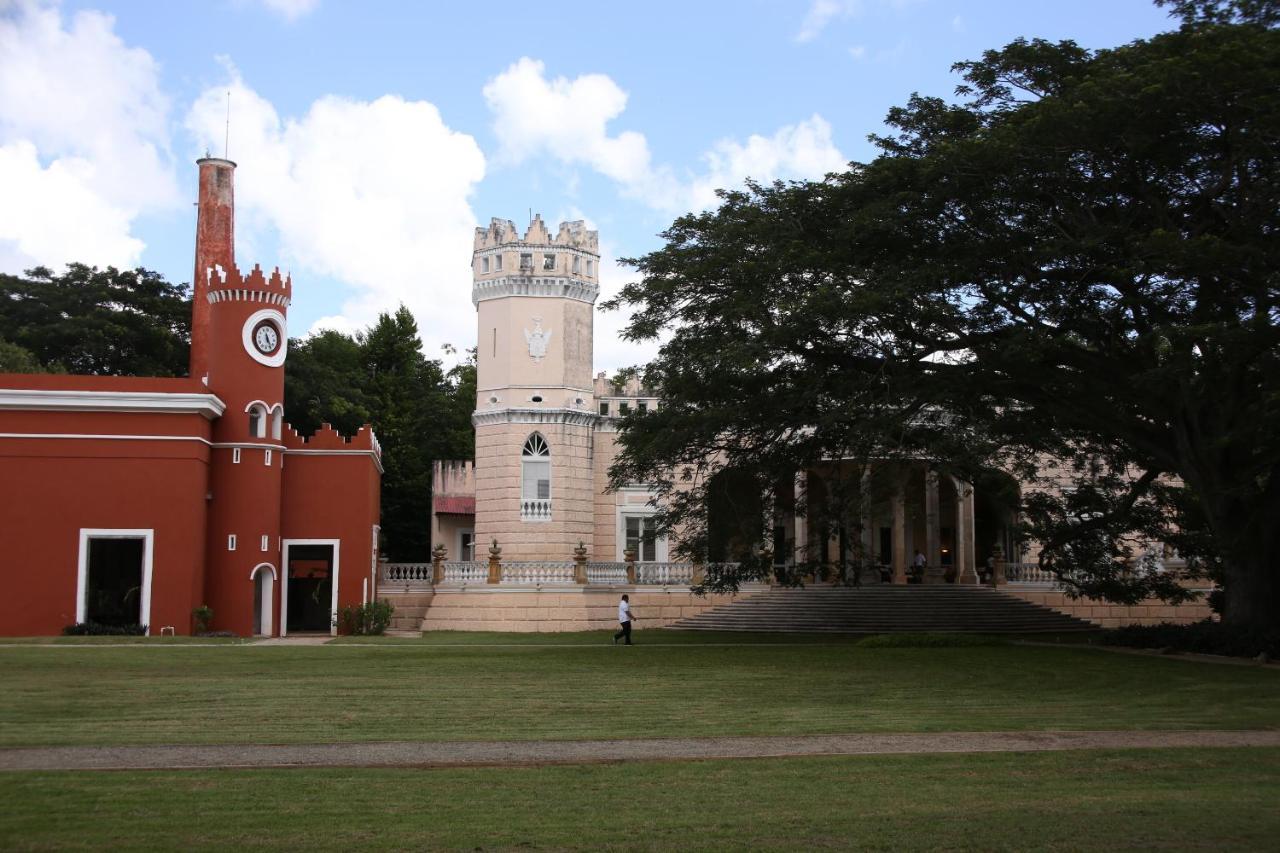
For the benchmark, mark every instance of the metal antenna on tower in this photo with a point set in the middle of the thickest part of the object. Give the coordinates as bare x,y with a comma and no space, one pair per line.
226,139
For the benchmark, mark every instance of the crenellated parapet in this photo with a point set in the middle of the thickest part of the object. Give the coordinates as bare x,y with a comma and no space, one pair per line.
508,263
328,438
571,235
230,285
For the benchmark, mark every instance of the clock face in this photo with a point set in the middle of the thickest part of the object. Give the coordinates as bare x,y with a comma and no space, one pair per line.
266,338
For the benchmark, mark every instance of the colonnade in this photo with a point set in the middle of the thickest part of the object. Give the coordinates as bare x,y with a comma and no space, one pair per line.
963,550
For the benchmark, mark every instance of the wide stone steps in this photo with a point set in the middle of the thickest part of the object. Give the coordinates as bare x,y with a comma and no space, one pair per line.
884,609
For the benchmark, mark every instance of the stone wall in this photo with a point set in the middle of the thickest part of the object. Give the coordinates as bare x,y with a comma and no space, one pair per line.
1150,612
561,609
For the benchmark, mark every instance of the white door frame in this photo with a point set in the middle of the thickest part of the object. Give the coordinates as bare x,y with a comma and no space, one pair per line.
266,607
147,535
634,511
284,583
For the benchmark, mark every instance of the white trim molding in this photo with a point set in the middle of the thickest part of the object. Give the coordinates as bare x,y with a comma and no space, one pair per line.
573,417
165,402
377,458
147,535
284,587
556,287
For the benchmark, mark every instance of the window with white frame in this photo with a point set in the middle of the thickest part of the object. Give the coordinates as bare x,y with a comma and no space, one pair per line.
640,535
535,471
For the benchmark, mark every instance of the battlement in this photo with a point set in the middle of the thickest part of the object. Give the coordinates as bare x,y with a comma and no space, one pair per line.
571,235
453,477
328,438
631,387
229,284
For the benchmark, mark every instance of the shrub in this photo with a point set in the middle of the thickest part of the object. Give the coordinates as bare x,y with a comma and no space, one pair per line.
202,616
1207,637
97,629
928,641
371,618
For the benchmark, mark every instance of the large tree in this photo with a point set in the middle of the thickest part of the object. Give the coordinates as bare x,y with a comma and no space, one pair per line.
99,322
1076,260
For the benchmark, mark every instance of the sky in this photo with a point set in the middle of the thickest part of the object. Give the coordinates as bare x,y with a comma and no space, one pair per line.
373,137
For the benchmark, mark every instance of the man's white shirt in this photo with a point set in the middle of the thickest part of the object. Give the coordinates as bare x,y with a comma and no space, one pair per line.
624,611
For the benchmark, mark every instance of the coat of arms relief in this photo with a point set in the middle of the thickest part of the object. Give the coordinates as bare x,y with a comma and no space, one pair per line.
538,340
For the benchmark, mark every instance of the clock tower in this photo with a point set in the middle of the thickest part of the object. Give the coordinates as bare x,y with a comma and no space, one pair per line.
239,339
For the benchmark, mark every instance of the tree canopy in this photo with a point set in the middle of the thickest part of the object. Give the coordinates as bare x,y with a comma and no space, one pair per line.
98,322
1076,260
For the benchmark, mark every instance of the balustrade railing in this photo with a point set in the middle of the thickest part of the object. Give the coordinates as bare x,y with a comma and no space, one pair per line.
533,509
536,572
666,574
406,573
465,571
611,574
1028,573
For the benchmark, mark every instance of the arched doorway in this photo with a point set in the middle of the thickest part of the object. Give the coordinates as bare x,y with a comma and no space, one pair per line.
264,584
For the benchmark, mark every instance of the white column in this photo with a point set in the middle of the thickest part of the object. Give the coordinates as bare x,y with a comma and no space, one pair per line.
932,529
899,535
801,522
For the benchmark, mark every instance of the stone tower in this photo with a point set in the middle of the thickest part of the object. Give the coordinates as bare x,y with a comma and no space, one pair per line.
535,411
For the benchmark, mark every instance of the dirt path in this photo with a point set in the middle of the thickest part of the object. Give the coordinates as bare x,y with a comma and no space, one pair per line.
499,753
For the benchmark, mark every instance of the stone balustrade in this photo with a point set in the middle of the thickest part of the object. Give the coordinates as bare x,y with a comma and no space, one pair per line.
538,573
534,572
533,509
1029,573
465,571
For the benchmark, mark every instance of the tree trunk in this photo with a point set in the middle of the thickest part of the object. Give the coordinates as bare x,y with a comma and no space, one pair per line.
1252,595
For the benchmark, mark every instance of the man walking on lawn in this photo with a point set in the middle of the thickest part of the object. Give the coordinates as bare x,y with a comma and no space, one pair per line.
624,618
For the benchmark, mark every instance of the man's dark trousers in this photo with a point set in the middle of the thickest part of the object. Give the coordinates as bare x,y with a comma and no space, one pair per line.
625,632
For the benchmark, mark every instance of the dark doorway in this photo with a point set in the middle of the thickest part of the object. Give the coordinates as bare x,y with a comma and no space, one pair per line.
310,569
114,589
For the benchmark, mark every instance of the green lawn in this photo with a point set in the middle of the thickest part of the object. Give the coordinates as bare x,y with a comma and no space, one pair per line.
1147,799
124,694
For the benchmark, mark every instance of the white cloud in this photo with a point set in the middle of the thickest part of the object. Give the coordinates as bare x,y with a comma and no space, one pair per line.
958,24
821,13
568,120
858,52
84,135
371,193
290,10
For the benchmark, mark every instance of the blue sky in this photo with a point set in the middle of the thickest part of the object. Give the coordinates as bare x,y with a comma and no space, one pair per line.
373,137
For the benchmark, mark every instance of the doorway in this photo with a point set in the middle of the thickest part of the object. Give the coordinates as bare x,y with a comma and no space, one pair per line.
113,586
264,582
310,595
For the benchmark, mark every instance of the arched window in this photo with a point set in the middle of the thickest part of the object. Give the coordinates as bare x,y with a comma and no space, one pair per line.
257,420
277,421
535,470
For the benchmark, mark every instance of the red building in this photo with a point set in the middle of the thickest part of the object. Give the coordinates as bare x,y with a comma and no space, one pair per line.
132,500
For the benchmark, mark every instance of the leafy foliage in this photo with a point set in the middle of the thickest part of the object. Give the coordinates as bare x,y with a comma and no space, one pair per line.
370,618
97,629
97,322
1069,275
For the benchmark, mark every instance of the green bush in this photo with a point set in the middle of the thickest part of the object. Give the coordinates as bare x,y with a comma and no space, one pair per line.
1207,637
202,616
369,619
928,641
97,629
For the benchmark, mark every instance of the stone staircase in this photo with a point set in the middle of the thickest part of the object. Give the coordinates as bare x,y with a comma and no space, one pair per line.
410,609
884,610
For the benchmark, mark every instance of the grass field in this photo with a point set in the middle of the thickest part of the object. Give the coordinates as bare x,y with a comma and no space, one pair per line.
1140,799
128,694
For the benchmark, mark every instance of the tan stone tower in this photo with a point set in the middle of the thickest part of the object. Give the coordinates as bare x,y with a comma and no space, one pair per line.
535,411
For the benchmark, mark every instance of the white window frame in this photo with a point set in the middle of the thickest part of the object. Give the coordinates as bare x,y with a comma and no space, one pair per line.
660,551
147,535
235,456
231,541
525,458
266,457
462,552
